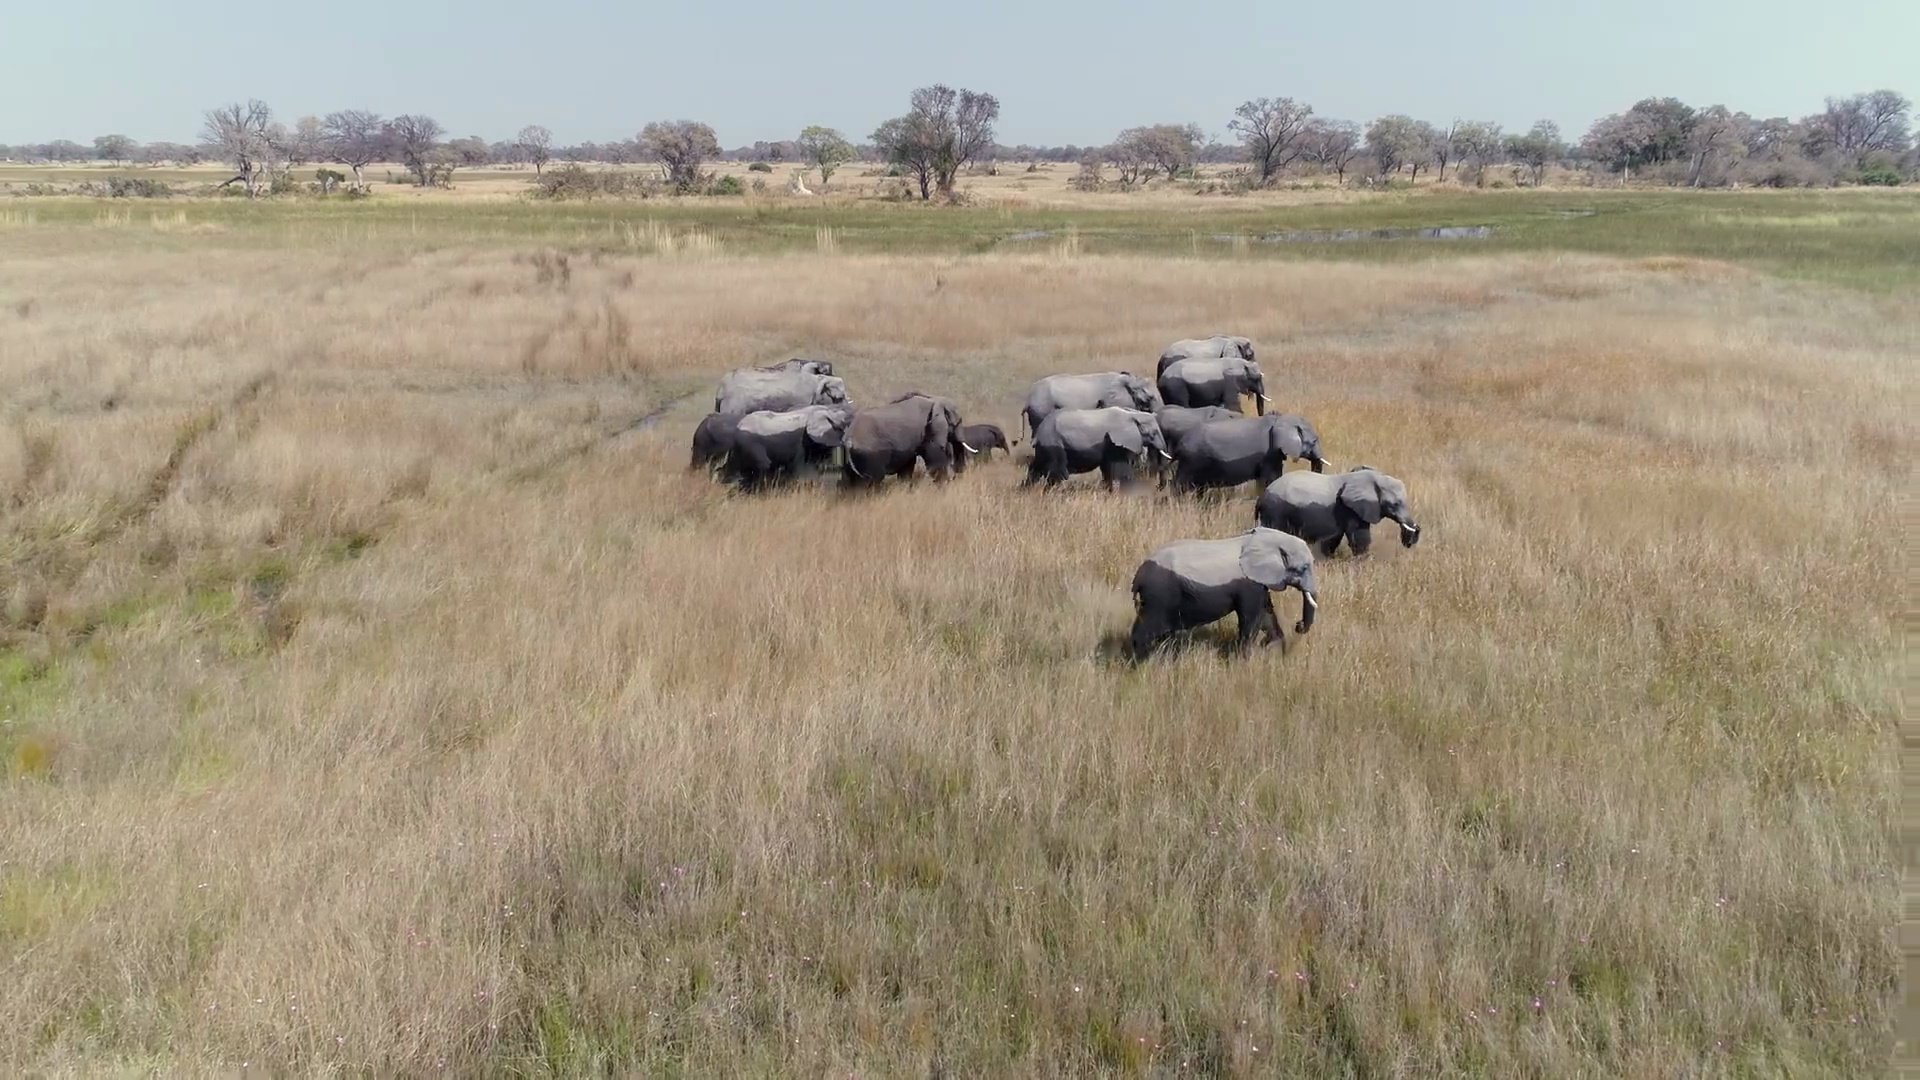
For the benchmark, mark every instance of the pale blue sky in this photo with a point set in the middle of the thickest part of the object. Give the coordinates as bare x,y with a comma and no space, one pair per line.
1064,70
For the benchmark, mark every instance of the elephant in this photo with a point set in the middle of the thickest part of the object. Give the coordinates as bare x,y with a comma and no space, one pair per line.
1324,509
1082,440
1218,381
1179,421
712,440
889,440
1096,391
1226,453
1192,583
771,446
982,440
1213,348
753,390
810,367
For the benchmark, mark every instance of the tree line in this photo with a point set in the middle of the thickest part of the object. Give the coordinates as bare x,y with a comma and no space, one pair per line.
1861,138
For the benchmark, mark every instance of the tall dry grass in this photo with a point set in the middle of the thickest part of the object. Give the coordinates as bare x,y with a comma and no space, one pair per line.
378,693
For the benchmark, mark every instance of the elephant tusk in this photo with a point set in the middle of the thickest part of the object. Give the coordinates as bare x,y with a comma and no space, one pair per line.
968,449
1166,455
1264,398
1311,602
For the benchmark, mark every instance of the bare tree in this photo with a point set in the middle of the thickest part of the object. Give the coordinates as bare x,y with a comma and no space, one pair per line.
1718,134
114,148
1332,145
355,138
415,138
240,133
1863,124
1444,148
681,147
943,130
535,144
825,149
1538,148
1272,130
308,141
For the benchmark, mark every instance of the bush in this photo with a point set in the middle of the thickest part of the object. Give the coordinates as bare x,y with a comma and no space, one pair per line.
727,185
283,184
759,186
759,166
126,187
1880,172
577,182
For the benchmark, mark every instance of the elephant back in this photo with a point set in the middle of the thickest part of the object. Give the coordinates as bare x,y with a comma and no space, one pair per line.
897,425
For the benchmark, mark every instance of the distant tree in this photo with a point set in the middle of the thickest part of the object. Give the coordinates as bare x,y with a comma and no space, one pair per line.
1331,144
1128,156
1854,127
1443,148
681,146
471,151
242,134
1538,148
63,150
308,142
355,138
943,130
825,149
1476,144
155,152
1653,132
535,144
1272,129
1400,142
1165,148
1718,137
414,139
114,148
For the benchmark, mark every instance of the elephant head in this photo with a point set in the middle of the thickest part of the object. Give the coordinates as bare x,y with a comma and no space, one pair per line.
1372,495
1292,436
1140,436
1134,392
1280,561
827,426
1236,346
831,391
1246,375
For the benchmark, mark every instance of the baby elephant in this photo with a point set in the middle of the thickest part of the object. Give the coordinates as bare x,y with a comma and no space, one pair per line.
1324,508
1191,583
982,439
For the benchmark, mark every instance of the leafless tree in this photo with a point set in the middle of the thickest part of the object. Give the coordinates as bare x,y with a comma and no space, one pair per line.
1272,130
535,144
308,141
355,138
1718,135
681,147
1444,148
1332,145
415,138
240,133
825,149
114,148
1856,126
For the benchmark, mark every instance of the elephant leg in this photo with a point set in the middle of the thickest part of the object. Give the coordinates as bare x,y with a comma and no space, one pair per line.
1117,473
1330,545
1149,629
1257,622
1360,538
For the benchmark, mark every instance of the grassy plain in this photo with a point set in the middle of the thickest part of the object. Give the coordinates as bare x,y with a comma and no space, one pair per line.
378,693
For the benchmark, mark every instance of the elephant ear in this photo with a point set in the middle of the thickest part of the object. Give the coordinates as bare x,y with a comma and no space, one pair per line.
1285,437
1262,559
942,423
1361,492
1125,434
824,427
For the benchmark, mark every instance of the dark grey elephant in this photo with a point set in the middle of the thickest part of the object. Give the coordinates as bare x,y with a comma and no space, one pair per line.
753,390
1179,421
1192,583
1214,381
1081,440
1225,453
713,439
1325,508
1099,390
1217,347
891,439
774,446
981,440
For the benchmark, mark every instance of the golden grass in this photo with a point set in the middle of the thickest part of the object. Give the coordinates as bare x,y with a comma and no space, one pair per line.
378,693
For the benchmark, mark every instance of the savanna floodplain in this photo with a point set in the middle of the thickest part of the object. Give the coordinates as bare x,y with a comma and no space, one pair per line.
379,691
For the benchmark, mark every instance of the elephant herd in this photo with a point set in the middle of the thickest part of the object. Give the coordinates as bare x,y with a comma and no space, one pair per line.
771,423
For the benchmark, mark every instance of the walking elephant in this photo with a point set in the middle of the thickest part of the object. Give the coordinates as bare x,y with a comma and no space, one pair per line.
1220,346
1081,440
1226,453
891,439
1218,381
773,446
753,390
1192,583
713,439
1325,508
1096,391
981,440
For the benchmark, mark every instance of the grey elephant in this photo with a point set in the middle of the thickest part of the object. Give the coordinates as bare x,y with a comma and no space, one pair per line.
1179,421
891,439
981,440
1217,347
1081,440
773,446
1226,453
1218,381
1192,583
713,439
752,390
1096,391
810,367
1325,508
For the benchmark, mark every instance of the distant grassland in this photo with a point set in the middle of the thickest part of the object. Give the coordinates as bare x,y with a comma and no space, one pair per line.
1859,239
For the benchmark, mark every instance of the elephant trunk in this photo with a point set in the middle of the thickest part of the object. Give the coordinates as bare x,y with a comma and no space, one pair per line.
1409,533
1309,607
1259,403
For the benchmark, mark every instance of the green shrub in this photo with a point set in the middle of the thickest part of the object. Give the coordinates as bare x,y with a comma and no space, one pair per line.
1880,174
727,185
759,166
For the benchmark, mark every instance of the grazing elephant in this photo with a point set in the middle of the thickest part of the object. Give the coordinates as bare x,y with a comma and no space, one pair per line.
753,390
889,440
1214,381
1225,453
1214,348
1081,440
982,440
771,446
1097,391
713,439
1323,508
1192,583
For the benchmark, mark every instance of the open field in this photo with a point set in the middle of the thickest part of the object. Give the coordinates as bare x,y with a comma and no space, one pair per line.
379,693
